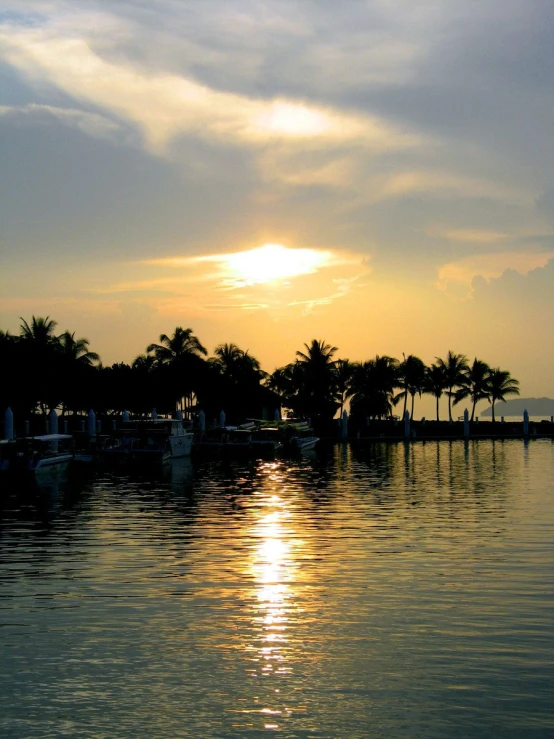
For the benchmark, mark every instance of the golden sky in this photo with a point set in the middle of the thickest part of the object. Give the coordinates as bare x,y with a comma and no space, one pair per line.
266,174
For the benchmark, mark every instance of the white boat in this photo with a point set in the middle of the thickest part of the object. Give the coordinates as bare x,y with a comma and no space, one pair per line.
303,437
155,439
47,452
305,442
180,440
267,439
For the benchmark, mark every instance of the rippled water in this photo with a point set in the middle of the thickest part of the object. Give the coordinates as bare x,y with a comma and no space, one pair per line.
379,591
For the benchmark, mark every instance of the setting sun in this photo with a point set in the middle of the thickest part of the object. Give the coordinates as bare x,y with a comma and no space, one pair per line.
272,262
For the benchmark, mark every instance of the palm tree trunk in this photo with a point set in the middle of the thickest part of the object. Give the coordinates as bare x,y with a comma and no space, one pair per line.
413,401
437,397
473,410
492,407
405,403
450,404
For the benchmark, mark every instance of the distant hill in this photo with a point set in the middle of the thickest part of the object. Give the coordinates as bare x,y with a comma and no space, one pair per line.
515,407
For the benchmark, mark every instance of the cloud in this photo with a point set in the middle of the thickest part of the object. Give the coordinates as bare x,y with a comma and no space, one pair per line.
459,277
470,236
92,124
269,278
447,185
164,106
263,264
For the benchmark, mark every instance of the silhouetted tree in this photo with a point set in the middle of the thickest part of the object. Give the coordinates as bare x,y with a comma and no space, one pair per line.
474,384
76,350
235,384
454,366
76,371
40,331
435,383
411,380
42,361
372,387
315,377
499,384
182,354
344,370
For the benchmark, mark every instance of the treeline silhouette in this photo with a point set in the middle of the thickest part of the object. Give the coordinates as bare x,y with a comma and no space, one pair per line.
44,370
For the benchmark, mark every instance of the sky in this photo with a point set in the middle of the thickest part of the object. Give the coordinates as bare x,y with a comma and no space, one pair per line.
377,174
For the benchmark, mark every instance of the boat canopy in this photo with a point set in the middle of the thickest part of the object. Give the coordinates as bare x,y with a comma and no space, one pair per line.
50,437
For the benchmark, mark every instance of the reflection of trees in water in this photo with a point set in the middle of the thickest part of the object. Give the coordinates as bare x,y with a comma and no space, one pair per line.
453,476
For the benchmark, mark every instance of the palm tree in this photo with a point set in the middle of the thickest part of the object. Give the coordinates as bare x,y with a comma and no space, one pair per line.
283,383
172,348
236,363
454,366
343,374
316,390
372,387
181,356
411,379
144,363
234,384
75,364
76,350
500,383
41,361
40,332
318,354
435,383
474,384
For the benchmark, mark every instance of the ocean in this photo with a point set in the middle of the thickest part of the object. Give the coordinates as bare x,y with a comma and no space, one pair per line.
371,590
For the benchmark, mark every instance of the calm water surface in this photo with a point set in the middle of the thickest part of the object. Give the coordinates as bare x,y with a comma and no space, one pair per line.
385,591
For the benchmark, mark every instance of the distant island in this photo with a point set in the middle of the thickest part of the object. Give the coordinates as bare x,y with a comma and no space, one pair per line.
534,406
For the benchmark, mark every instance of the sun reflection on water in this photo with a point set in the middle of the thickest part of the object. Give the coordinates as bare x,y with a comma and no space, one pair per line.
273,568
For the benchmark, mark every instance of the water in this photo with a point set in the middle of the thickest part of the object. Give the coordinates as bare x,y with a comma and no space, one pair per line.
386,591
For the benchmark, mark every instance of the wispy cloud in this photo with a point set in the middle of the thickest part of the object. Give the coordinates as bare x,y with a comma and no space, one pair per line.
268,278
164,106
92,124
469,236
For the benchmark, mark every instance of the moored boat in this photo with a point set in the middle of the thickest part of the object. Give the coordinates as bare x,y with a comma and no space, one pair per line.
301,437
154,439
46,453
267,439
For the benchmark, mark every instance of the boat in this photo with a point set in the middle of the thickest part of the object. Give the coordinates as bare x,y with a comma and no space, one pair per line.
224,439
8,453
148,448
180,440
238,440
155,440
210,440
267,439
301,437
46,453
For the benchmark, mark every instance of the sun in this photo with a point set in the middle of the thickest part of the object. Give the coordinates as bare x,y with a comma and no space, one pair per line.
293,120
272,262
